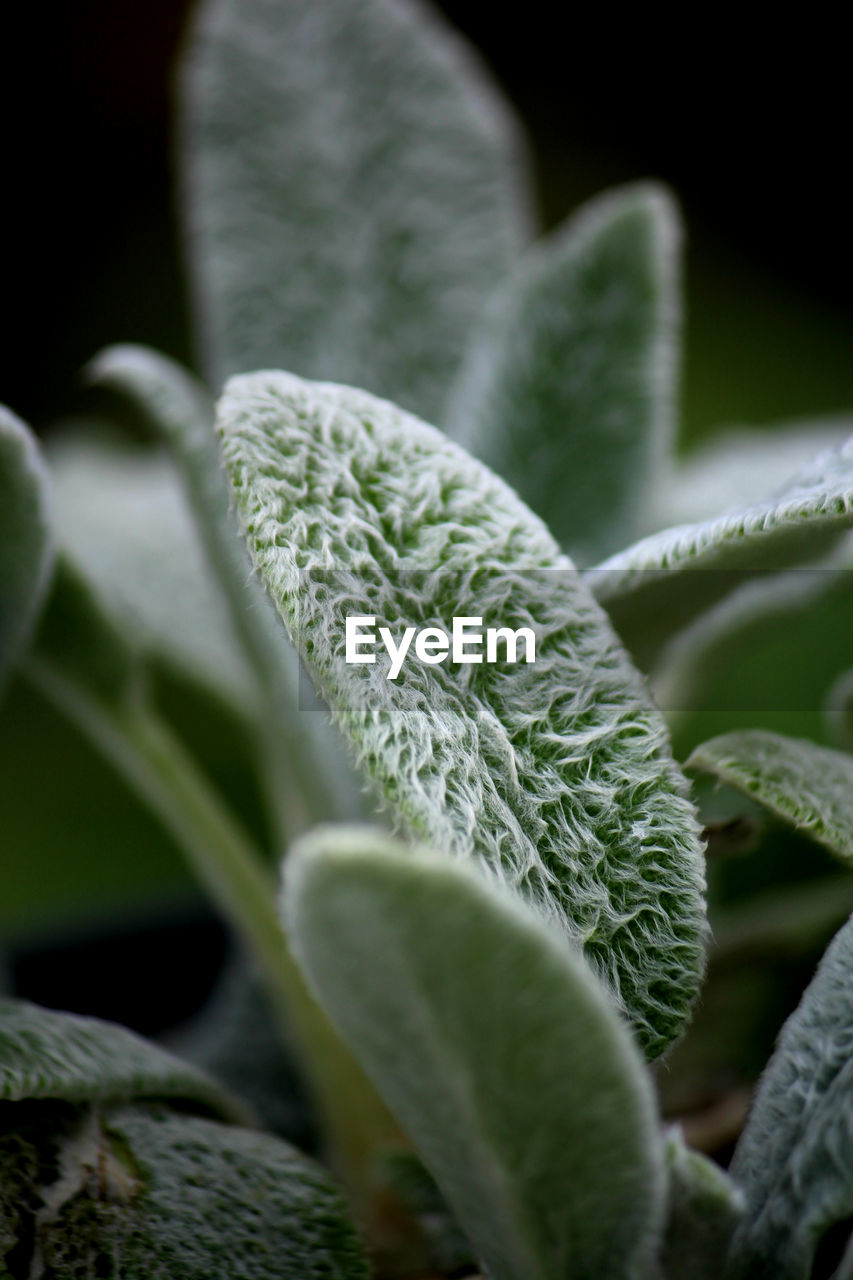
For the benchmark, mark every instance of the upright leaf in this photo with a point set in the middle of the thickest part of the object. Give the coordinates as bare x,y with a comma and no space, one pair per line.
351,190
25,539
795,1158
661,583
65,1057
495,1046
556,774
809,786
568,390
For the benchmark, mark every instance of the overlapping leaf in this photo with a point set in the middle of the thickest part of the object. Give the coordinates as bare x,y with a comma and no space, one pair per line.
658,585
25,537
351,191
705,1207
795,1158
568,390
806,785
556,774
495,1046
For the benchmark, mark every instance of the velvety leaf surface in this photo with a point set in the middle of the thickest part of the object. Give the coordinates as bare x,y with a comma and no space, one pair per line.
705,1207
764,657
25,539
658,585
63,1056
807,785
495,1046
557,773
351,190
795,1158
568,390
122,515
147,1194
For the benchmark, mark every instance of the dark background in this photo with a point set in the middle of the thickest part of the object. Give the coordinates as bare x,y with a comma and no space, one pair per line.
751,127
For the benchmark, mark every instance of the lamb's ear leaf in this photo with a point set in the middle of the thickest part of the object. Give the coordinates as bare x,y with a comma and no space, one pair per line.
740,463
704,1209
568,391
794,1160
763,657
65,1057
471,1016
838,711
162,1193
26,545
306,773
658,585
804,784
555,773
351,188
122,515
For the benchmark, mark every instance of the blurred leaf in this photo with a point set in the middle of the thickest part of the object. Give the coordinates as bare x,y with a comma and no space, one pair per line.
809,786
568,391
705,1207
148,1194
838,711
26,545
495,1046
559,778
657,586
307,774
61,1056
739,464
121,514
352,191
795,1158
763,657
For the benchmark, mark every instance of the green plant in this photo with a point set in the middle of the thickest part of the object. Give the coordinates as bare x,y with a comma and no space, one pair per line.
492,980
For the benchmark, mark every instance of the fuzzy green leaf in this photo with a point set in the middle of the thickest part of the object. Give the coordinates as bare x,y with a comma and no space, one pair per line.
557,773
658,585
65,1057
121,514
568,392
25,540
147,1194
495,1046
795,1158
704,1208
351,189
763,657
809,786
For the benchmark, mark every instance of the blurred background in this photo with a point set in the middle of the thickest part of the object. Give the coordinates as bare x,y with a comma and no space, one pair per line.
751,131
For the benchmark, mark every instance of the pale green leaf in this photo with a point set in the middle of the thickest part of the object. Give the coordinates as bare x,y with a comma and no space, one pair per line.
556,773
307,776
352,192
809,786
25,538
739,464
568,391
65,1057
147,1194
763,657
497,1049
121,513
704,1208
795,1158
657,586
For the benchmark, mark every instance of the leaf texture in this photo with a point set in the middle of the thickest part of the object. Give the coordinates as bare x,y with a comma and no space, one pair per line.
495,1046
557,774
351,188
